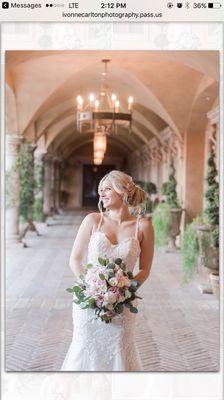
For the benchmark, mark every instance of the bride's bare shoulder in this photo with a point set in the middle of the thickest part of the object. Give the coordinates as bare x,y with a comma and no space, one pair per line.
93,218
146,223
146,229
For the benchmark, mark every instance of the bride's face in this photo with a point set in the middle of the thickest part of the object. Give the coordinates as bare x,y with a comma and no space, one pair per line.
110,198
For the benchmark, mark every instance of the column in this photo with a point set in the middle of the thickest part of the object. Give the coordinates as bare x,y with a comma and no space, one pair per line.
12,185
38,191
57,184
194,161
47,186
30,148
145,156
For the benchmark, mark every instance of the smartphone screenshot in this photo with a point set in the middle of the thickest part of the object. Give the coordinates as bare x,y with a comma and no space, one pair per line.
111,200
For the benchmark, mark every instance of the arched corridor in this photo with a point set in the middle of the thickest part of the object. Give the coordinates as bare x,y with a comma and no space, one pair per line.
52,180
175,116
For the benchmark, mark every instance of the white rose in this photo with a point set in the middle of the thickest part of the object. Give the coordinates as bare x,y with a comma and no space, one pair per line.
113,281
110,298
110,307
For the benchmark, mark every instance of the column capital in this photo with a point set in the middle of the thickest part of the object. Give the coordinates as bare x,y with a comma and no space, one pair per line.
145,154
15,135
13,141
166,133
31,146
39,155
57,158
48,157
213,115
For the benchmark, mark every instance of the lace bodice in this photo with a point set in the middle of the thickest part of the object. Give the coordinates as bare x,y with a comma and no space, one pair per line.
100,246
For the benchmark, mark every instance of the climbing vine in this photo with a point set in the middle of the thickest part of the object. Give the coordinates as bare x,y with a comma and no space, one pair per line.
25,165
212,197
38,195
10,186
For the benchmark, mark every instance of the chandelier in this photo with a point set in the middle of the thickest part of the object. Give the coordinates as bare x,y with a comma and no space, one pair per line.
102,114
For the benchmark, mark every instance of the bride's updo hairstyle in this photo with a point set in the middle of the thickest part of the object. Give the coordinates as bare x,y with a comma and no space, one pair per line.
123,184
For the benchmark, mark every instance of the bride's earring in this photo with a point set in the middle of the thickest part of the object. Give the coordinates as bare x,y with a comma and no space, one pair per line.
125,199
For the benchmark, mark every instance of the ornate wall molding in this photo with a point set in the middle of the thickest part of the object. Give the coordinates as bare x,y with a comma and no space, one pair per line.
213,115
212,132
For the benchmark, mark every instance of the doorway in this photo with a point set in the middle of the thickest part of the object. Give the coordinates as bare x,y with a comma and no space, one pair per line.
92,175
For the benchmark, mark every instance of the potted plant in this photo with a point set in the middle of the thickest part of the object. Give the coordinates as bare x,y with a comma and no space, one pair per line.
208,232
169,190
150,189
201,237
190,247
161,220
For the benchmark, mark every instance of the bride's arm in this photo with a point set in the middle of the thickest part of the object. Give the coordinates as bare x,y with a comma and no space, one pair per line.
81,243
147,251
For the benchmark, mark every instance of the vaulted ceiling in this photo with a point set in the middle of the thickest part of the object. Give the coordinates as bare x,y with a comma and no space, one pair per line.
168,87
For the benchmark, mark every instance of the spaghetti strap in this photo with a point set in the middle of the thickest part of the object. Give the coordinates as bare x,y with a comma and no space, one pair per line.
136,227
100,222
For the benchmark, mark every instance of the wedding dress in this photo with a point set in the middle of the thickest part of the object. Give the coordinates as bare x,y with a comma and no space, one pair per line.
97,346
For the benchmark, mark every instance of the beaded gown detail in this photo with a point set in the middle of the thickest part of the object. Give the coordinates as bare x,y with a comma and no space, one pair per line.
97,346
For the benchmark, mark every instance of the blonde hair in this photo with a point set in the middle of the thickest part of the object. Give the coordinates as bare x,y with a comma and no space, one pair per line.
133,195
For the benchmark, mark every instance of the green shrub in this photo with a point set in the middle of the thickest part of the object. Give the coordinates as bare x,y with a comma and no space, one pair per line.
190,249
150,189
212,191
161,220
163,188
25,165
169,189
38,210
38,195
10,187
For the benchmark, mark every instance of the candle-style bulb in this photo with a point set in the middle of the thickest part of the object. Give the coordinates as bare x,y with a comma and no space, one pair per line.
116,104
130,102
97,103
113,97
91,98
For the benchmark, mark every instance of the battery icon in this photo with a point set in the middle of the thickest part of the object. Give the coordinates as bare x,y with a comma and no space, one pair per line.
214,5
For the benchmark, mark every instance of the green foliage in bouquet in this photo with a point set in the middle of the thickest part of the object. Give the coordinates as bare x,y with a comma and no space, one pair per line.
89,302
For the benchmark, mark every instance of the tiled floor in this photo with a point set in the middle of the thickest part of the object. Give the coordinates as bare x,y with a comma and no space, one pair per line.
178,327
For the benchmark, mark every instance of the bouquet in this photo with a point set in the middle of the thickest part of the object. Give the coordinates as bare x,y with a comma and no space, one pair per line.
107,288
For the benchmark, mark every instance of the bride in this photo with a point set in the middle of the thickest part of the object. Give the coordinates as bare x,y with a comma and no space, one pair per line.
97,346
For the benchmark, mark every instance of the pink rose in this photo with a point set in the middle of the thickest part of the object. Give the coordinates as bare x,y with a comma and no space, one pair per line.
99,301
